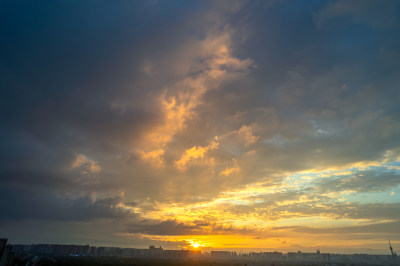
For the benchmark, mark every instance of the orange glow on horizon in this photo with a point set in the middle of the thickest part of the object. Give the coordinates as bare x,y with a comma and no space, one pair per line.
195,244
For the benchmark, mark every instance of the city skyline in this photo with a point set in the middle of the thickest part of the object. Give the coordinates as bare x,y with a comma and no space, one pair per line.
201,124
105,250
91,255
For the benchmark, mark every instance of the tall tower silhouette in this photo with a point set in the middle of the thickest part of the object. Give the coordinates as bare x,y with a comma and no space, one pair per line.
391,250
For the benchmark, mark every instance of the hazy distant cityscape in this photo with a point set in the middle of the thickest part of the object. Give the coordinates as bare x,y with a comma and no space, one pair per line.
61,254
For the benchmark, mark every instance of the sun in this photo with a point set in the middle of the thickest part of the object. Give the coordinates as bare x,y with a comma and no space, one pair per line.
194,243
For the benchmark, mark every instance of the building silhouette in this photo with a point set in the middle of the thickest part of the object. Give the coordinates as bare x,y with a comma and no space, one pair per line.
6,254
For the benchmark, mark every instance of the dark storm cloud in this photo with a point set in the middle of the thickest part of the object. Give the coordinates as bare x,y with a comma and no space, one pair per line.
61,65
65,69
175,228
36,203
72,82
169,227
66,66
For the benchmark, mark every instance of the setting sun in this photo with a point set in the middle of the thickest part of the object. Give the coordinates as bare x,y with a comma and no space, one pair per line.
195,244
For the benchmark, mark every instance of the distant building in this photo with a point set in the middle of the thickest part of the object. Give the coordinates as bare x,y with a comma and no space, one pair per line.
101,251
6,254
195,253
3,243
92,251
272,255
155,252
177,254
221,254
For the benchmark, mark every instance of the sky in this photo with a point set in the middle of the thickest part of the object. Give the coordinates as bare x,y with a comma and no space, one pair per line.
269,125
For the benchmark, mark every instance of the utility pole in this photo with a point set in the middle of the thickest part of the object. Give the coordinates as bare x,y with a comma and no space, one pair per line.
391,250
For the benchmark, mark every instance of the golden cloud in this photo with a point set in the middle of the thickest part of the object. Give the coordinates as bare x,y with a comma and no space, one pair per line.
215,65
195,155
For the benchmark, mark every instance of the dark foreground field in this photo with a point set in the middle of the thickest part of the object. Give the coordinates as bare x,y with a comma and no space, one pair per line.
89,261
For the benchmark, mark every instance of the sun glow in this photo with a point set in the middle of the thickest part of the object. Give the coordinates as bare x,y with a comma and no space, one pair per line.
195,244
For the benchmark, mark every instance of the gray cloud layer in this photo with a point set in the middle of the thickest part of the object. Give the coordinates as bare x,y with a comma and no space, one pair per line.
279,88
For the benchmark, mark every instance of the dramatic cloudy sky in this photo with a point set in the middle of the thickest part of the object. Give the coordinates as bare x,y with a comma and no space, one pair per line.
223,124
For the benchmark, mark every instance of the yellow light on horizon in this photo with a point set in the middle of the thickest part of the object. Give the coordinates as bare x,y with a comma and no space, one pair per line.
195,244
